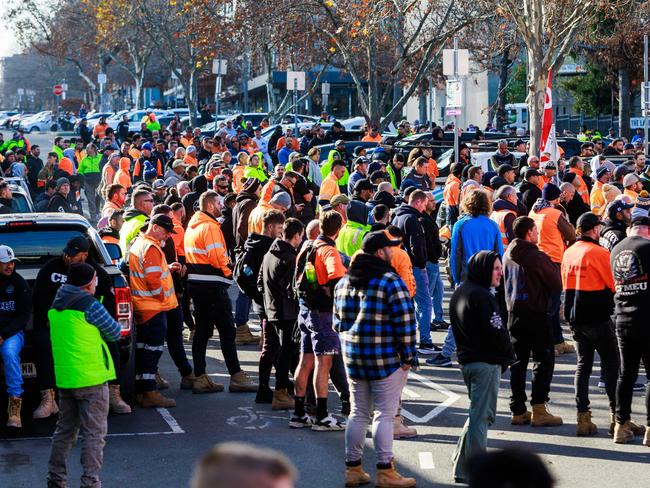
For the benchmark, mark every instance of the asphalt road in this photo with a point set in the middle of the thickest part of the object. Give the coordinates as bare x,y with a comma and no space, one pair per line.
152,448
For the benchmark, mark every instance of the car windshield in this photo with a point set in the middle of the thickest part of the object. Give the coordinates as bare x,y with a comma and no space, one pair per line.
19,203
36,246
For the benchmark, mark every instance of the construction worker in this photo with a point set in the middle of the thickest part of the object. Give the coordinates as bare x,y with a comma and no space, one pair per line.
330,187
451,193
134,218
576,166
80,327
152,289
209,278
555,233
15,311
504,212
597,198
589,303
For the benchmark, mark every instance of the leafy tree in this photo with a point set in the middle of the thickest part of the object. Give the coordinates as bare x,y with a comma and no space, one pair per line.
592,91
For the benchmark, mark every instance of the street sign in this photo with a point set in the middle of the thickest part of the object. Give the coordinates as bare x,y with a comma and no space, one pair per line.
64,86
299,77
462,68
101,78
220,67
21,92
57,90
452,112
454,94
325,88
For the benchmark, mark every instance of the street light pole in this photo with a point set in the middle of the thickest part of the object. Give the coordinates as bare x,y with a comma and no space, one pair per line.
646,92
456,112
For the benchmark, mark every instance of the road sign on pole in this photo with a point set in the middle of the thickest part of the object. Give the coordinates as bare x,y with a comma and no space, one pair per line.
299,77
219,68
57,90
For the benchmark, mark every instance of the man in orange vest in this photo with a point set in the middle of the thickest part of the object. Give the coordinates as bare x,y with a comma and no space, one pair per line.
153,295
451,193
555,233
504,212
576,165
209,277
597,198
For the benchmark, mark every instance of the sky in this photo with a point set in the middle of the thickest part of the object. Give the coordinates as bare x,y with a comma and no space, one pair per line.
8,42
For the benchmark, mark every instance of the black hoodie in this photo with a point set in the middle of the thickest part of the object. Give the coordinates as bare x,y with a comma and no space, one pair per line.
15,304
255,247
476,322
275,282
529,194
198,185
407,219
246,202
613,232
59,203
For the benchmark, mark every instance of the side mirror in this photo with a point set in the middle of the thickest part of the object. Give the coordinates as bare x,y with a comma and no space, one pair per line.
114,251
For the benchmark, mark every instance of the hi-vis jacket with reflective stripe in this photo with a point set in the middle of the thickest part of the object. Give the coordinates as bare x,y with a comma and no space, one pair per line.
205,252
152,287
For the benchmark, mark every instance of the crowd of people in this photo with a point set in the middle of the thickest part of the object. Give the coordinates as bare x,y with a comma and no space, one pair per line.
340,258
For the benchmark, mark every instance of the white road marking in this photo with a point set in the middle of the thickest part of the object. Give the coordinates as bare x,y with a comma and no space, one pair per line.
171,421
426,460
410,393
450,400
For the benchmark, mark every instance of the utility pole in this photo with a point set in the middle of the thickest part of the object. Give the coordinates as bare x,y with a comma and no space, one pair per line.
646,94
456,112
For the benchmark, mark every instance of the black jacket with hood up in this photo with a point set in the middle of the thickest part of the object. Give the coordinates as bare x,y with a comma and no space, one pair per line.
407,219
275,282
245,203
255,247
481,335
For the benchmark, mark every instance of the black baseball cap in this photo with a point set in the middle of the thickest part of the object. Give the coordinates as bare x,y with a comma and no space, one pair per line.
588,221
164,221
639,221
373,241
617,206
504,168
363,184
76,245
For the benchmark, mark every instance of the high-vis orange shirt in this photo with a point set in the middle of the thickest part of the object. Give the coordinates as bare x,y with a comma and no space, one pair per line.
178,238
582,188
499,216
451,193
597,199
256,217
550,238
369,138
205,251
152,287
328,263
329,188
401,262
66,165
432,170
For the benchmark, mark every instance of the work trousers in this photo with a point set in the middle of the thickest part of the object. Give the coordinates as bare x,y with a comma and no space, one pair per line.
634,346
84,409
590,338
531,335
174,338
482,380
423,304
277,350
379,398
150,340
212,307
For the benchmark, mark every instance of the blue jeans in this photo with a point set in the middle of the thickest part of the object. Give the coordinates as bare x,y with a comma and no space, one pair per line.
449,346
242,309
10,352
422,305
436,289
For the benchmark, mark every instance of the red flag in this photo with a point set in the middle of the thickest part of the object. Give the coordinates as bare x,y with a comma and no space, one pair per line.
548,143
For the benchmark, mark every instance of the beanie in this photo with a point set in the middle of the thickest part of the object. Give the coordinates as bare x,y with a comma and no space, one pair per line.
550,192
282,198
643,201
80,274
149,172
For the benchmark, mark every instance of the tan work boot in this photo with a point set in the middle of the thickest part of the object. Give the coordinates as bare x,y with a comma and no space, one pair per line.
541,417
585,426
115,402
356,476
646,437
13,412
623,433
390,478
282,400
637,429
203,384
161,383
154,399
401,430
48,405
187,381
241,382
612,423
564,348
522,419
243,336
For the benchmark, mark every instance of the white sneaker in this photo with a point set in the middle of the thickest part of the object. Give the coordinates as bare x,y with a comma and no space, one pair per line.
301,422
328,424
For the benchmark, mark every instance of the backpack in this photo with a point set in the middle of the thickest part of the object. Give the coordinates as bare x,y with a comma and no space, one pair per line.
313,294
245,275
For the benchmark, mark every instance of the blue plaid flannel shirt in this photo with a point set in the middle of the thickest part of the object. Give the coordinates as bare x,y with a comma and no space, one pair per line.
376,325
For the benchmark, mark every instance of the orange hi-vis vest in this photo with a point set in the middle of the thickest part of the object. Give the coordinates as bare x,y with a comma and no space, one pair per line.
152,287
205,252
582,190
499,216
550,238
451,193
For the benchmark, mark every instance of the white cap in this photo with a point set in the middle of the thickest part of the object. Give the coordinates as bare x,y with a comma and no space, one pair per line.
7,255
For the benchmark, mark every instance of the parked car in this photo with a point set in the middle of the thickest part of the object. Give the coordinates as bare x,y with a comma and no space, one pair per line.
38,237
21,199
93,119
5,116
40,122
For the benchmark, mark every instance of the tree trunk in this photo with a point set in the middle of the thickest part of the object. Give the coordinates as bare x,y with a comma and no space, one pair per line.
422,103
270,94
535,99
624,102
500,109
